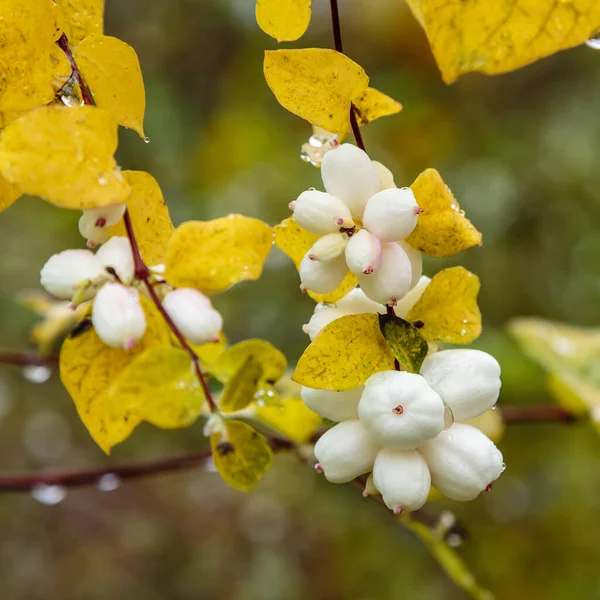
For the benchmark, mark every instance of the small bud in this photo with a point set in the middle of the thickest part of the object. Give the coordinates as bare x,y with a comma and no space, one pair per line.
117,316
467,380
403,307
110,215
116,253
346,451
328,247
400,410
348,173
319,212
402,477
321,319
336,406
462,462
391,282
384,175
363,253
194,315
391,214
91,232
66,272
322,277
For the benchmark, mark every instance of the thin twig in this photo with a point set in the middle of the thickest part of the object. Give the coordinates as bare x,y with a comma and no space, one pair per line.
25,358
542,413
86,94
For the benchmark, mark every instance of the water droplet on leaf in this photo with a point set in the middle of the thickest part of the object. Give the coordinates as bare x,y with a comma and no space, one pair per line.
147,140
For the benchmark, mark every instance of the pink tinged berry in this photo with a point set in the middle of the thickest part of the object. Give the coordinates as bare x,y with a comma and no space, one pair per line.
400,410
116,254
336,406
392,280
91,232
322,277
194,315
346,451
319,212
64,272
363,253
328,247
348,173
292,205
467,380
118,316
403,306
463,462
391,214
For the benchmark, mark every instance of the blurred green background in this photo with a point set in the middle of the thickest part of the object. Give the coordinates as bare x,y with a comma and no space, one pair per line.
519,151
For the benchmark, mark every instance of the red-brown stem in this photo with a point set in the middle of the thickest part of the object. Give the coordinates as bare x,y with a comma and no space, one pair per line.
25,358
86,95
143,274
338,45
543,413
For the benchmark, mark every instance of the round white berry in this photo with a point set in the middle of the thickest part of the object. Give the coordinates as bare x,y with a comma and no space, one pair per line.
105,216
356,302
463,462
69,270
321,213
328,247
321,319
384,175
322,277
194,315
402,478
392,281
118,316
403,307
348,173
467,380
400,410
416,261
91,232
117,254
363,253
345,452
392,214
336,406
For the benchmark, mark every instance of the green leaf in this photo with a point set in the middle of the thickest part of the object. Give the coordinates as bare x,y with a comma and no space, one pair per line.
407,344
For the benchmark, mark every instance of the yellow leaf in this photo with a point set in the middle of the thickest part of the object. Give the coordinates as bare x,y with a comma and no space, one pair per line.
85,17
498,37
344,354
285,20
316,84
291,418
442,229
88,367
149,216
490,423
6,118
208,353
240,388
64,155
406,343
296,242
448,559
242,456
111,69
214,255
417,11
448,308
159,386
30,61
271,360
8,193
373,104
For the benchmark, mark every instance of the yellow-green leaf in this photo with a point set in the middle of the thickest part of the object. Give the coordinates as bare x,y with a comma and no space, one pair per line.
296,242
291,418
88,367
406,343
316,84
448,559
490,423
496,37
85,17
209,352
214,255
159,386
417,11
344,354
285,20
241,386
8,193
448,308
149,216
64,155
442,229
242,456
373,104
111,69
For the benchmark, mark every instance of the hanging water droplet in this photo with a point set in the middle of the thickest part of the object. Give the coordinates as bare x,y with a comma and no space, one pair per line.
37,373
594,42
503,467
147,140
109,483
448,417
48,494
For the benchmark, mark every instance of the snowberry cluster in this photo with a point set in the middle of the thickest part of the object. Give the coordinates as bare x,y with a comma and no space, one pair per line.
362,219
108,277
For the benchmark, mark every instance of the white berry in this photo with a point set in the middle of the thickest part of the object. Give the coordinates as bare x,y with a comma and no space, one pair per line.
321,213
91,232
403,307
416,262
117,254
322,277
384,175
363,253
336,406
328,247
